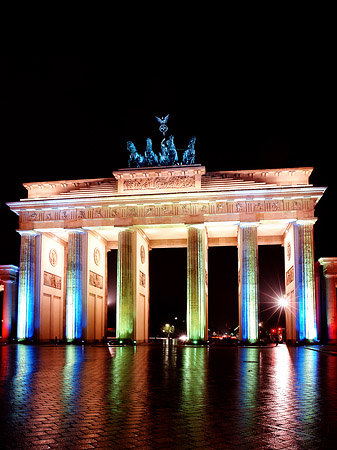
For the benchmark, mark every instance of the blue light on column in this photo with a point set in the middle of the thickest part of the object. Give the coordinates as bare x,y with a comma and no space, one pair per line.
248,261
74,286
26,292
306,320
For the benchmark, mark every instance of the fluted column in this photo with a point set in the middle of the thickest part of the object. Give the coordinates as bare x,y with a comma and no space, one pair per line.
330,275
75,285
7,310
248,282
305,280
125,285
196,283
331,313
26,294
8,276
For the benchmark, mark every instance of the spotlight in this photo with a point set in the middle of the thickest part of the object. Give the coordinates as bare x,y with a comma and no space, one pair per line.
282,301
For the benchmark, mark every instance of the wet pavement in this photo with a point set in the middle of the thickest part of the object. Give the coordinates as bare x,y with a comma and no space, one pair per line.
149,397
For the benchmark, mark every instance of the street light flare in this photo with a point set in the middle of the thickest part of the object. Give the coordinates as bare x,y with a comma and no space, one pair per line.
282,301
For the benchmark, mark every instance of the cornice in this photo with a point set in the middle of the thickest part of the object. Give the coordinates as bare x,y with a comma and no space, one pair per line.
120,199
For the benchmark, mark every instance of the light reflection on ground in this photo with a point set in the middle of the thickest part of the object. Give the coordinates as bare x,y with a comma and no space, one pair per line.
162,397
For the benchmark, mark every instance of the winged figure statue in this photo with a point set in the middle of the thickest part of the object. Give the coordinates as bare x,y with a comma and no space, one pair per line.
163,120
163,127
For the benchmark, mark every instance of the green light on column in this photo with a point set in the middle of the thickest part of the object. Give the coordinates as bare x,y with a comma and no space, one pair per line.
196,285
125,286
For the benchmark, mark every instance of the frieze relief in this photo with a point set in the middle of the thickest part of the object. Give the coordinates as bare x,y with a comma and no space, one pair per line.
169,209
175,182
290,275
142,279
51,280
95,279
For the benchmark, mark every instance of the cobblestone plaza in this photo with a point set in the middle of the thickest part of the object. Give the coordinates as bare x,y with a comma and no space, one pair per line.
154,397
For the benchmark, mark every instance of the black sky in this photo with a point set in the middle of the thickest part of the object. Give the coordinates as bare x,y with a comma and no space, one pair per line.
255,98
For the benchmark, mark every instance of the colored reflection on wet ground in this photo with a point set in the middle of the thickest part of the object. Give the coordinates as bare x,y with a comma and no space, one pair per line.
153,397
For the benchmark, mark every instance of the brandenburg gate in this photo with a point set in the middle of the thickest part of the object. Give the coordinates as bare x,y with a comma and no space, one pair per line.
67,227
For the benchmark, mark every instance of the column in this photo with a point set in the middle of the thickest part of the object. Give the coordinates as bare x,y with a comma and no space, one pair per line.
7,310
331,314
248,282
305,280
26,294
125,285
75,286
330,275
197,307
8,276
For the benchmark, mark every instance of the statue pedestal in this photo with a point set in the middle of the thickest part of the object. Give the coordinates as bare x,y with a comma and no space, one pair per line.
160,179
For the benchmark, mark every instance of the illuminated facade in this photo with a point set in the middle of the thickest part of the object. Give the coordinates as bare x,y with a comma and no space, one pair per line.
67,228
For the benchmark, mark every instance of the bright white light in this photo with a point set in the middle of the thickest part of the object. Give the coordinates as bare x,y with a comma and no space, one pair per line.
183,337
282,301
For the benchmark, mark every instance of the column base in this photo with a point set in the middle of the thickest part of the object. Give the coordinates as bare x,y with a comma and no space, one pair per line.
118,342
196,342
76,341
249,342
293,343
25,341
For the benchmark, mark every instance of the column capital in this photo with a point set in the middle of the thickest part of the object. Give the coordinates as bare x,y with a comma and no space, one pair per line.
9,273
28,232
76,230
200,226
130,228
248,224
329,266
306,221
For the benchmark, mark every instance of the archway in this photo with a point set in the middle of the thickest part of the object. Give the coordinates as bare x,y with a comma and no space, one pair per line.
272,290
168,267
223,313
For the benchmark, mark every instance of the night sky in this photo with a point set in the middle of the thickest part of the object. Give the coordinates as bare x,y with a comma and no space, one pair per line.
254,103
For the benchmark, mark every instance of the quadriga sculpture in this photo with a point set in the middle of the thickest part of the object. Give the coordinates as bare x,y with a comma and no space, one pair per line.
168,155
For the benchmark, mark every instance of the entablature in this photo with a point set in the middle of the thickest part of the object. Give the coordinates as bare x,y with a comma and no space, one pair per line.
277,203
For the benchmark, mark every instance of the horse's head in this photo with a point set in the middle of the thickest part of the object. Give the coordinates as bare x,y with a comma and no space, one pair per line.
148,145
131,147
192,142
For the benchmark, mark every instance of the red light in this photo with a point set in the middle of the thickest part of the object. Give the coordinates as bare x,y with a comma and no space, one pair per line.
280,329
273,331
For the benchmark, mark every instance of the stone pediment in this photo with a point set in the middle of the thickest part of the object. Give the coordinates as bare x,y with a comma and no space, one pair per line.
160,179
